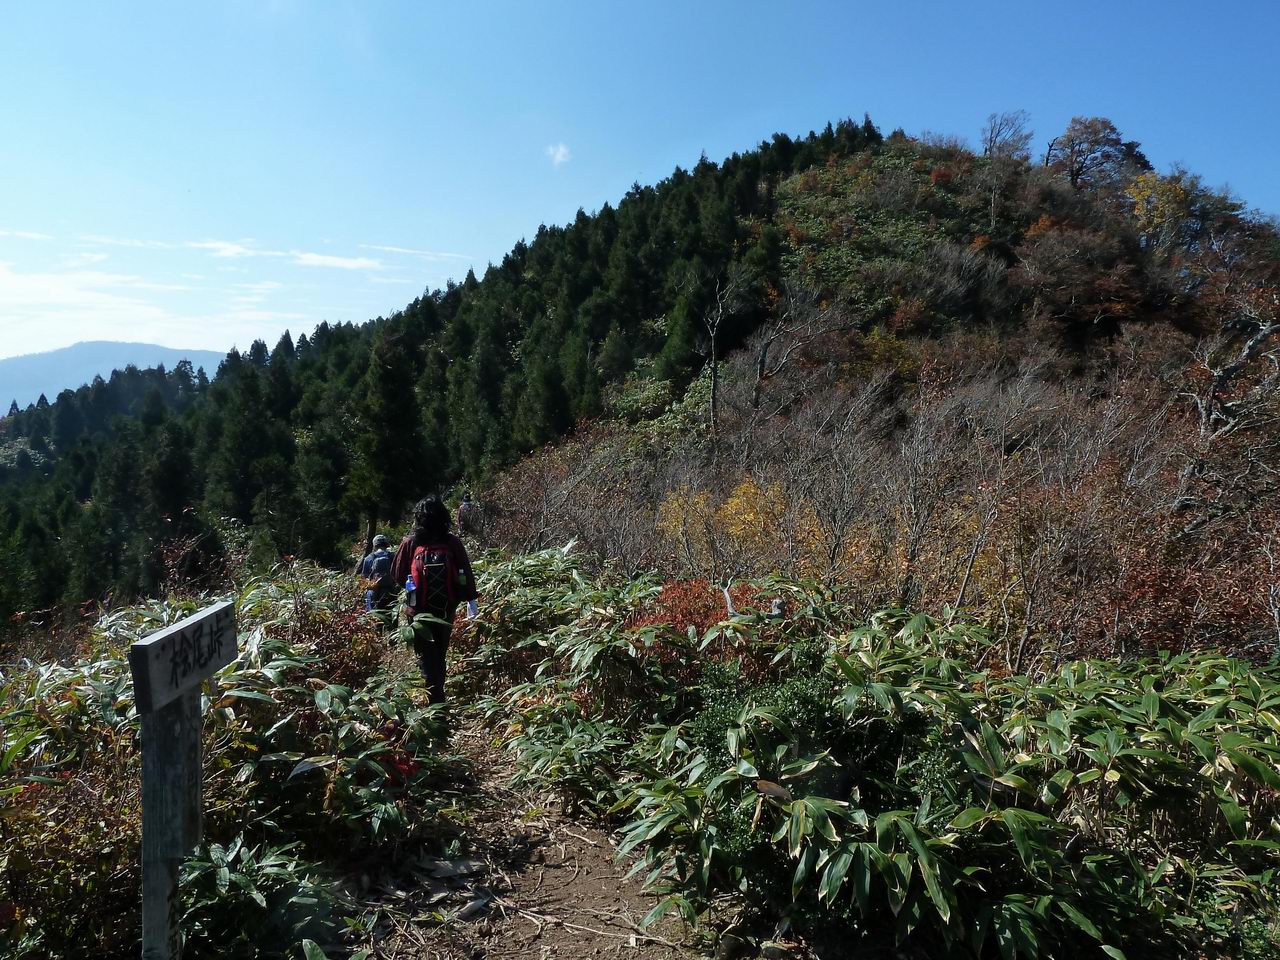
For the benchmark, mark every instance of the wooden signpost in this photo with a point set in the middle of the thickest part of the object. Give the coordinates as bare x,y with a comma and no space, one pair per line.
169,668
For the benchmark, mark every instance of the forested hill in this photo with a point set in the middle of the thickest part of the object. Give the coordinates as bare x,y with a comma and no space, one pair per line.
125,484
24,379
296,441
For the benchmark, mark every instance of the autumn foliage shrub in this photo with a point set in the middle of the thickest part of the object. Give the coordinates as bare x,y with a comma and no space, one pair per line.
697,604
78,861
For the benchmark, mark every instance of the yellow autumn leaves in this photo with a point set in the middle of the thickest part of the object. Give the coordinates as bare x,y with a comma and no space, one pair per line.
755,525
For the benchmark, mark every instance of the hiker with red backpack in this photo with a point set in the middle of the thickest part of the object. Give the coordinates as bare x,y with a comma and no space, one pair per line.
433,567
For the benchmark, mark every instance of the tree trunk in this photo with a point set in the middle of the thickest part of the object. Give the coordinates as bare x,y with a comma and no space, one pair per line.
370,529
978,543
761,362
715,388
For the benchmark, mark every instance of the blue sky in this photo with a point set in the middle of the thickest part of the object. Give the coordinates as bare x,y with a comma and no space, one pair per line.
198,175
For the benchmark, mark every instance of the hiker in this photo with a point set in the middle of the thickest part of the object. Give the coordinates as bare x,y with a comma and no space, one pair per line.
466,514
433,567
376,567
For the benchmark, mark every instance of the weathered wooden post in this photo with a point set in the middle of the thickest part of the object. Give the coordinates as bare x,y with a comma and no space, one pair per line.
168,670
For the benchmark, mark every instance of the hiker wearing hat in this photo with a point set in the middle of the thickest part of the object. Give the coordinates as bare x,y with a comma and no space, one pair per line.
376,571
467,514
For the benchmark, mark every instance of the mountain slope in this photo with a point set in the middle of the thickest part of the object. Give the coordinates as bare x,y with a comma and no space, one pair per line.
871,278
24,378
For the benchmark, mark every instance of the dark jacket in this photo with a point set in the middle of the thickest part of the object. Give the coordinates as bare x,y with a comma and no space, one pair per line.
403,563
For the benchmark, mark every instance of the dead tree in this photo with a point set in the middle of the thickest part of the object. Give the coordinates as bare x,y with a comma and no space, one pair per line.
731,291
801,321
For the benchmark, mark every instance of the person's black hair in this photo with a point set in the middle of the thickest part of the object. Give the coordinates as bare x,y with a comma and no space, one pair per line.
431,520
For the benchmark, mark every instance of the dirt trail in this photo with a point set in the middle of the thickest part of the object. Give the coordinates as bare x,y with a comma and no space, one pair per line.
533,883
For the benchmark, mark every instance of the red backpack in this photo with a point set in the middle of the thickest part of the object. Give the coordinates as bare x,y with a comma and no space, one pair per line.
435,579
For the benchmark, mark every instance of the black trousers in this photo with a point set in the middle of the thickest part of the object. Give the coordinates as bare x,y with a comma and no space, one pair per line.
431,645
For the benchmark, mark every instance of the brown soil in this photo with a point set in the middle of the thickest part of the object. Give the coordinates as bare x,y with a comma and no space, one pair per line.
533,882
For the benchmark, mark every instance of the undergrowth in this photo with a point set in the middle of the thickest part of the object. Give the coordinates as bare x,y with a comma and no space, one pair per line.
797,771
866,785
316,759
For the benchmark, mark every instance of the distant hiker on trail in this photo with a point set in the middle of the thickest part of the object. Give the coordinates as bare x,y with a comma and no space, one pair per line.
376,567
433,567
467,514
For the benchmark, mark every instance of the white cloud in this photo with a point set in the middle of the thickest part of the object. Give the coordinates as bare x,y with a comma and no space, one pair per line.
256,292
44,310
240,249
24,234
390,280
559,154
229,248
245,249
259,316
125,242
425,254
110,281
86,259
304,259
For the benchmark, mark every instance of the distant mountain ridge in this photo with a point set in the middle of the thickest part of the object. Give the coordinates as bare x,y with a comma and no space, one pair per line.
24,378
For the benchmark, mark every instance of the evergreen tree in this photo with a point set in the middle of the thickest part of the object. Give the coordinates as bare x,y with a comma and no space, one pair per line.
67,421
389,470
281,389
167,475
258,354
322,468
154,409
235,479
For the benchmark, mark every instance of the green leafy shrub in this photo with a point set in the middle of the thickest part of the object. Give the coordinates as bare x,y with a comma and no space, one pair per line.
961,813
255,902
562,747
868,782
638,398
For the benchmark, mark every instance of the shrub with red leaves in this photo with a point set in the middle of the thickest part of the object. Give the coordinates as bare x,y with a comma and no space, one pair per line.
696,603
682,604
401,767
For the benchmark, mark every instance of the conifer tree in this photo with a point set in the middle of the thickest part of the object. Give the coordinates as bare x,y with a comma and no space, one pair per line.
281,389
389,470
67,421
